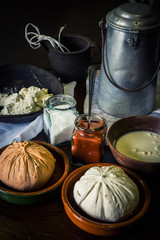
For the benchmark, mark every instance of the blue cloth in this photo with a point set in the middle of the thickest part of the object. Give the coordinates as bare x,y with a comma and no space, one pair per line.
10,132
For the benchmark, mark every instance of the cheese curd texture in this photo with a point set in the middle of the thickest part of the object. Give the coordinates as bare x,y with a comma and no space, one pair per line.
28,100
106,193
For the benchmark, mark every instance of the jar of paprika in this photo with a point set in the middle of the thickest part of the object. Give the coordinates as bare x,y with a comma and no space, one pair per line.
87,144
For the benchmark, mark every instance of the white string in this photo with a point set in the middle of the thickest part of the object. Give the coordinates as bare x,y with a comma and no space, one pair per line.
36,38
59,35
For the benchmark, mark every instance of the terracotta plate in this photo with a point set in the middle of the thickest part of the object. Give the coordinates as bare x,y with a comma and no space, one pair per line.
87,224
46,192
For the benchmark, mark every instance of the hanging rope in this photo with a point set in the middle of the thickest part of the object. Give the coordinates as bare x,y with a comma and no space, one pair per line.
34,38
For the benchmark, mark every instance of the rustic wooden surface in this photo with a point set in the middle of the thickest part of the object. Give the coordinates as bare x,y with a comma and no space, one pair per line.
49,221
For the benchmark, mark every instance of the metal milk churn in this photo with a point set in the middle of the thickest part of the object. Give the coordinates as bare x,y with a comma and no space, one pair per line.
130,61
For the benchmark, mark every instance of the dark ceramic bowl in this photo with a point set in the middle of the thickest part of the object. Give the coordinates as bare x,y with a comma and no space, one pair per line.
81,220
73,65
13,77
130,124
49,190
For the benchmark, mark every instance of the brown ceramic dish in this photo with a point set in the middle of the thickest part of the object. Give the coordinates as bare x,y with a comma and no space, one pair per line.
96,227
49,190
130,124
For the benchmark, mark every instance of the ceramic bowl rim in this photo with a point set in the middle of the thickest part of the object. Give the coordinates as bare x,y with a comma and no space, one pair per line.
125,158
99,225
45,189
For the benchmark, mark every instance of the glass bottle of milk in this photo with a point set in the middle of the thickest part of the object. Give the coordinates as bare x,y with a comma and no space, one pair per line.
59,115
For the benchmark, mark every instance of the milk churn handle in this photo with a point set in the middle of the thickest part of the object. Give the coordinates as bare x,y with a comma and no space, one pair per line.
110,78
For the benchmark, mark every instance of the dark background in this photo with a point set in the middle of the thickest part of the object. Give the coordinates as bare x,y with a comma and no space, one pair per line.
80,16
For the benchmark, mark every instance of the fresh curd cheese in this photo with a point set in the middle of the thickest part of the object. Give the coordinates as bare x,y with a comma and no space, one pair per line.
27,100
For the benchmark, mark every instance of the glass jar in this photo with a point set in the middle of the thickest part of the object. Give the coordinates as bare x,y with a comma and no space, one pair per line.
59,115
87,144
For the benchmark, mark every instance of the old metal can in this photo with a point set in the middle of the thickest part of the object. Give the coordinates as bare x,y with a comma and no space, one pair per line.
130,61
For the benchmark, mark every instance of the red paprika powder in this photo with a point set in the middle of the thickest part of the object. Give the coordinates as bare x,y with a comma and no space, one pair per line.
88,143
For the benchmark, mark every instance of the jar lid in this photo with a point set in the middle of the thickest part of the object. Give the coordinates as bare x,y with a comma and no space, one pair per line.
61,102
135,16
97,123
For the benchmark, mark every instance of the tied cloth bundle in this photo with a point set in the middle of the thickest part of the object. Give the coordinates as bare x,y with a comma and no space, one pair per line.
35,38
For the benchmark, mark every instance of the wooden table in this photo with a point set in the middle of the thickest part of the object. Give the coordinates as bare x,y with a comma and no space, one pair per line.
48,220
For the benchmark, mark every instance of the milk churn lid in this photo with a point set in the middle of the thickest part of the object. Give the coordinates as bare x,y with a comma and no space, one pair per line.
136,16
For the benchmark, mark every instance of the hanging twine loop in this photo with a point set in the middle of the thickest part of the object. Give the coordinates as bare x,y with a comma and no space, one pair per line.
34,38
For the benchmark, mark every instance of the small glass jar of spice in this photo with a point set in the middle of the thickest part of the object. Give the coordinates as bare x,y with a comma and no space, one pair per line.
87,144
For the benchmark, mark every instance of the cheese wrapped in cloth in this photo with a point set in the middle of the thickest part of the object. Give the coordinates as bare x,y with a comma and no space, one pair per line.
26,166
106,193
